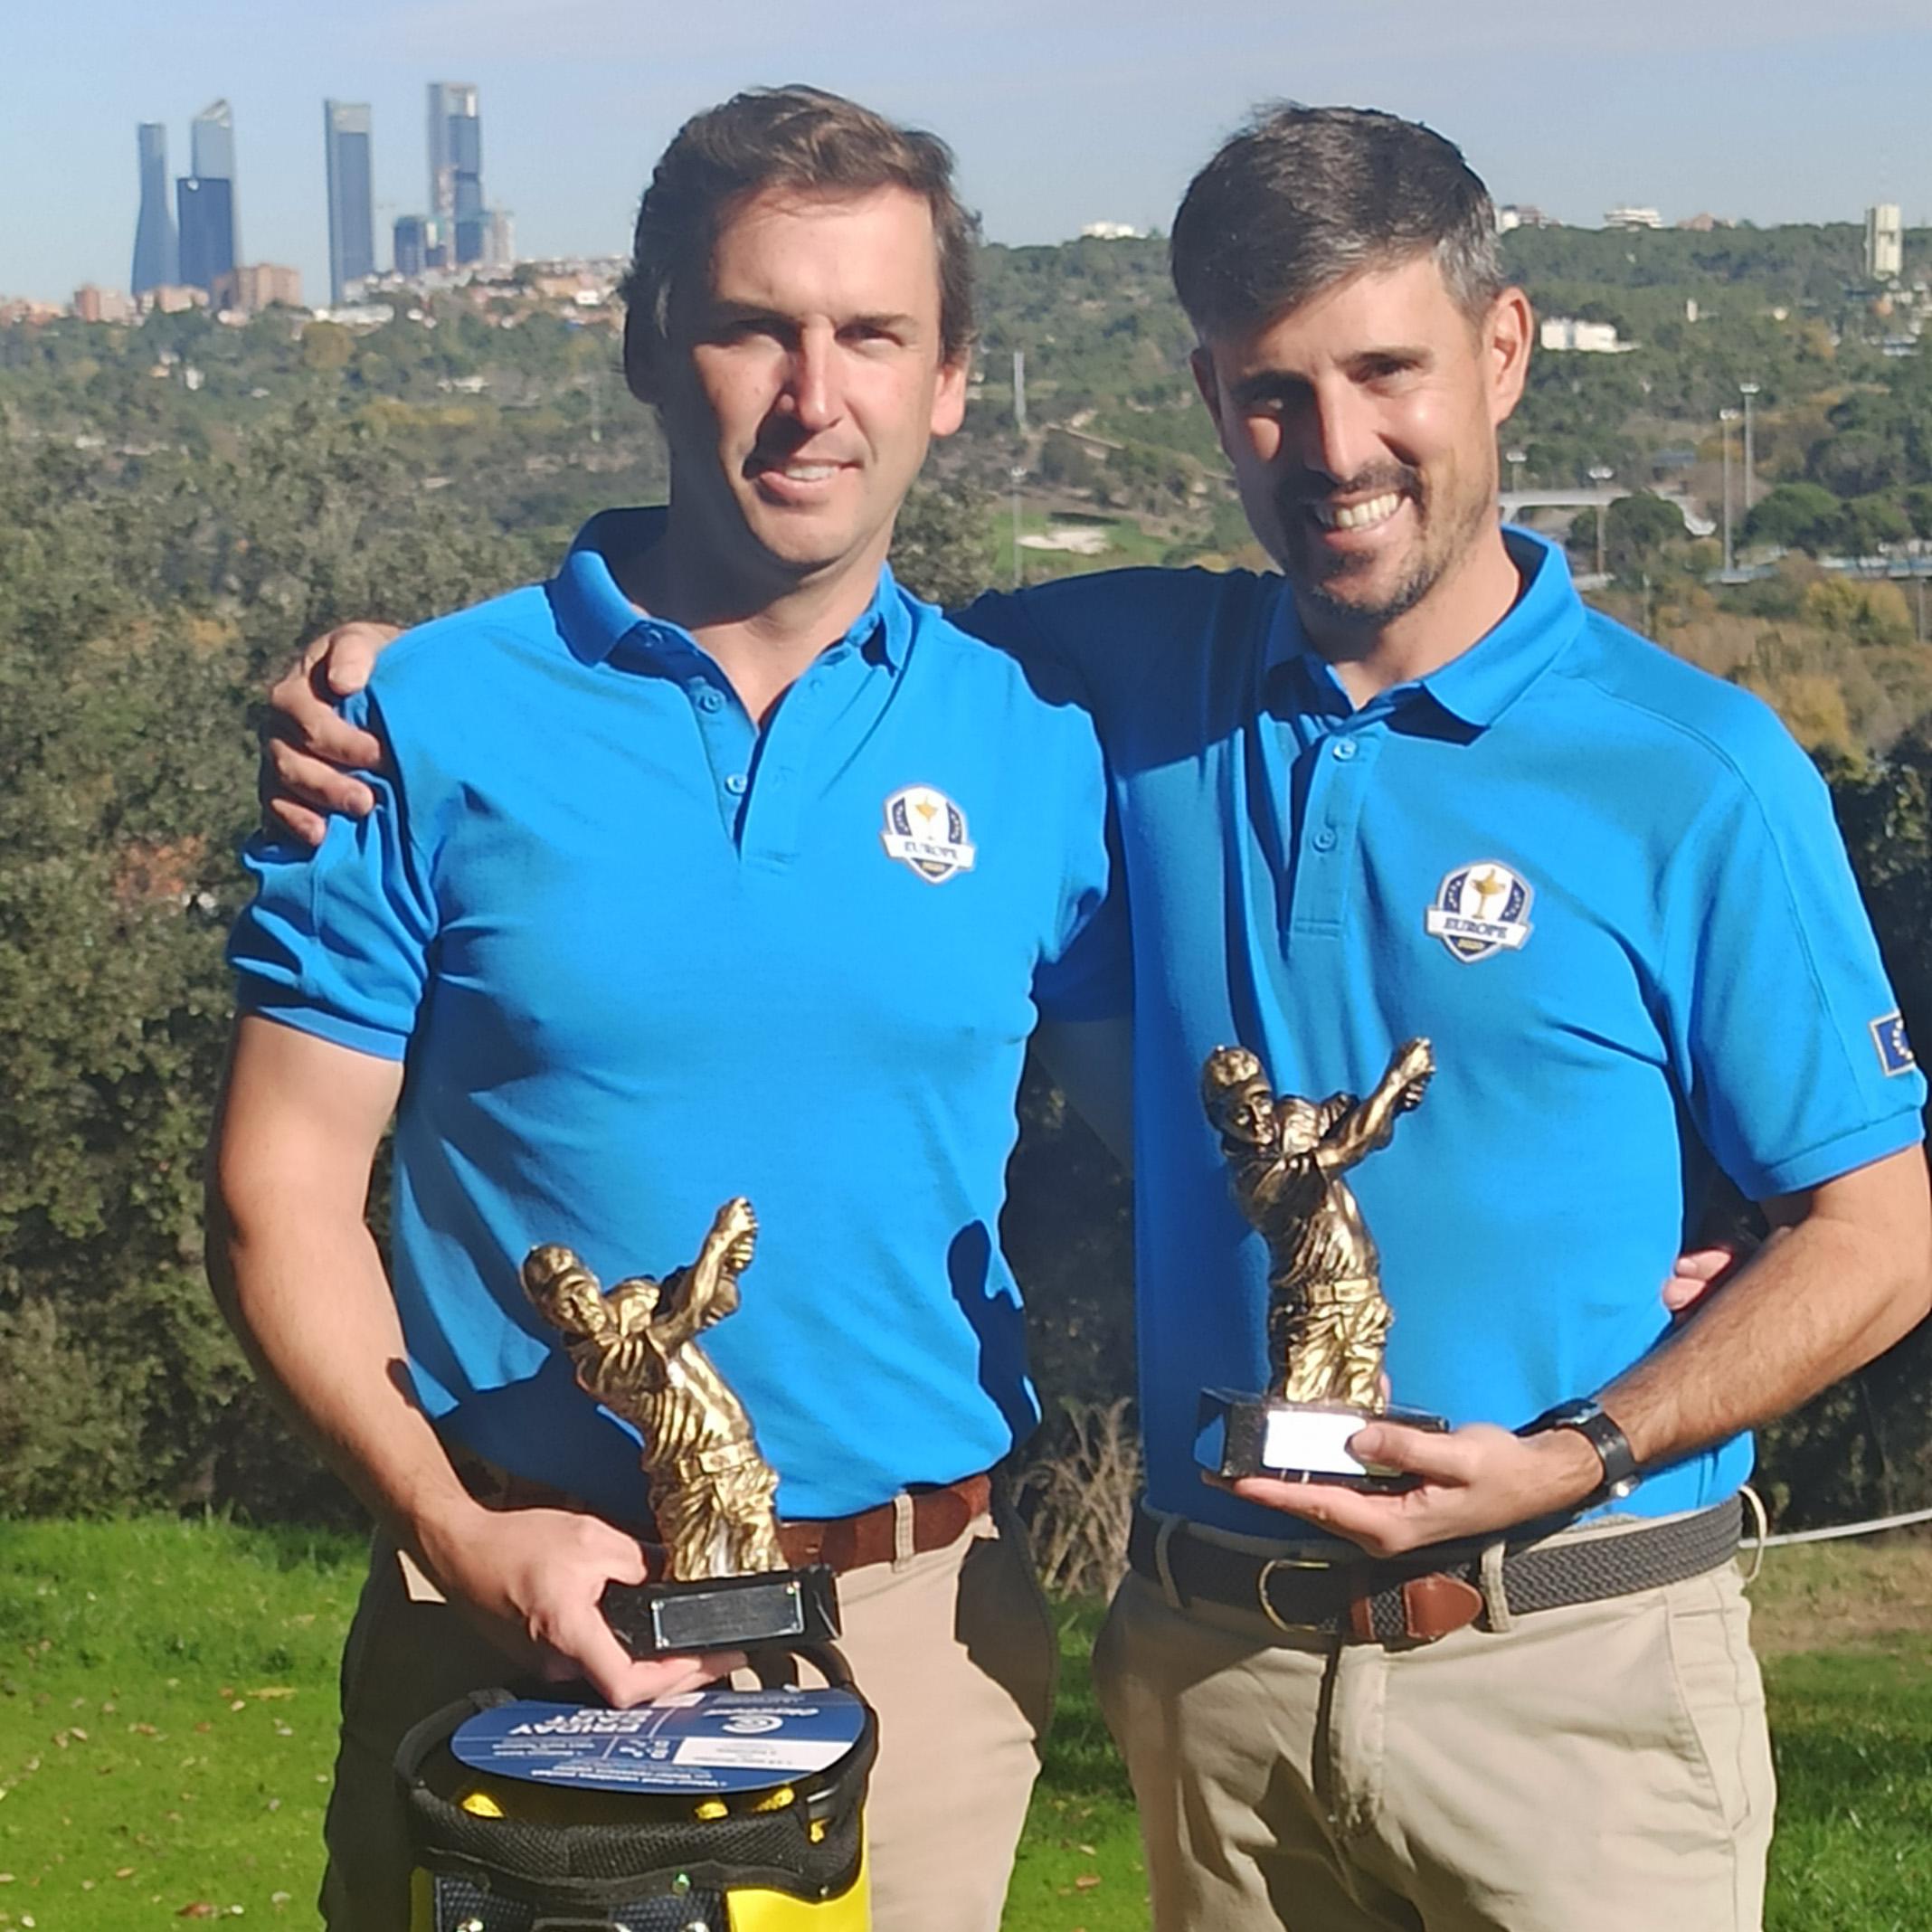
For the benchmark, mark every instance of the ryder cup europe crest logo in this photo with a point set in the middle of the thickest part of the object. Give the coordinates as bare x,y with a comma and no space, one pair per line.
926,831
1480,909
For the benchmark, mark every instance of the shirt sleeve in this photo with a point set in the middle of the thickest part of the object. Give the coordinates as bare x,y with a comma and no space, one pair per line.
336,941
1087,974
1091,977
1785,1030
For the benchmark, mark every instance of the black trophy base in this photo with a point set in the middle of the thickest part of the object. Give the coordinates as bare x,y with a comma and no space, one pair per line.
1298,1442
783,1607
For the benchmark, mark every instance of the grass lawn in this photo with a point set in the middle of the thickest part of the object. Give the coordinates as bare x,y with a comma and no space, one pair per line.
167,1704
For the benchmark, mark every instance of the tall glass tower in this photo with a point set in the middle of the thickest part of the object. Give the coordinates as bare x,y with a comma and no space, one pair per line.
212,142
449,101
466,165
351,196
211,242
207,208
156,256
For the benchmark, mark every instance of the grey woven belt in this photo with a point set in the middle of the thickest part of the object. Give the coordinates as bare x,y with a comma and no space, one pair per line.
1426,1595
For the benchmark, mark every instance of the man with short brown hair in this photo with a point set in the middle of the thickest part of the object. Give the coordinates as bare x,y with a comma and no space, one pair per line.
1444,799
718,795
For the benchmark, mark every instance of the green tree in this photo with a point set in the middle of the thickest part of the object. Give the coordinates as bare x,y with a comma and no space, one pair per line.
1797,516
1642,532
1865,1446
139,615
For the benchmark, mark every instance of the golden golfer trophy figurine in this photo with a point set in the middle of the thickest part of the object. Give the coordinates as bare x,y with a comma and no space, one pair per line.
1328,1323
635,1350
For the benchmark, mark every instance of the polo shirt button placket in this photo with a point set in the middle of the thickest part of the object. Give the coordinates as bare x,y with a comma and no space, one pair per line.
1324,840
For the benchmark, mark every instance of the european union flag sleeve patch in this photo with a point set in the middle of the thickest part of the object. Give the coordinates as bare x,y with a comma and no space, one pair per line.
1895,1051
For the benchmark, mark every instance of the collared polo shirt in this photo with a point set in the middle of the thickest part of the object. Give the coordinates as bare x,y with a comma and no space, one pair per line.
1606,886
638,957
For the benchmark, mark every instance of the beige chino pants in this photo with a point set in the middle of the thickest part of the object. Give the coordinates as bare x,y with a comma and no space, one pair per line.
954,1648
1604,1765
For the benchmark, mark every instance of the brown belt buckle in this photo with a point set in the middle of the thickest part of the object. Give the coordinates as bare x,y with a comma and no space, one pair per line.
1267,1607
1433,1606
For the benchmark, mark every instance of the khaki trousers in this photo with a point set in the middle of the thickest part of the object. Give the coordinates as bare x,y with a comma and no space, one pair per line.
1603,1765
955,1650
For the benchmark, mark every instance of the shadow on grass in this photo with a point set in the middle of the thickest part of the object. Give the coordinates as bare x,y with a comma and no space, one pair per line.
1079,1761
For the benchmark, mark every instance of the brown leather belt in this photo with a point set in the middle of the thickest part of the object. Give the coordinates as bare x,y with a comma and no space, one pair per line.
940,1516
1426,1595
940,1513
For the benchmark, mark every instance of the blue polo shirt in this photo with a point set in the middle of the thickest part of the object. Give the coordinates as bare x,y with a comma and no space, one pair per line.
1608,887
638,957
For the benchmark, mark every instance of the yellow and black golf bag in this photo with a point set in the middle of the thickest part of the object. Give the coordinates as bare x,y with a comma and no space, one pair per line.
783,1851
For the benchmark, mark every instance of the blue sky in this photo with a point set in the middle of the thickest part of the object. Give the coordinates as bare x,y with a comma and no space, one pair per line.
1061,112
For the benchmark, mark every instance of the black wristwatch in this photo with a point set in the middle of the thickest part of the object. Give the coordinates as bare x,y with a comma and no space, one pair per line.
1586,1415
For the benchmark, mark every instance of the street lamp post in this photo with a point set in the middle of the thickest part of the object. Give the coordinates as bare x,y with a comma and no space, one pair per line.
1747,390
1600,474
1516,459
1726,417
1017,475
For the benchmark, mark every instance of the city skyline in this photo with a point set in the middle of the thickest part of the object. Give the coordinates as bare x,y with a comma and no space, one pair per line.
1061,115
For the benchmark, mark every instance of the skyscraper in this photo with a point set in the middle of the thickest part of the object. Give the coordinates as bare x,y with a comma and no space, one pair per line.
351,196
156,256
207,209
212,142
466,168
450,100
211,242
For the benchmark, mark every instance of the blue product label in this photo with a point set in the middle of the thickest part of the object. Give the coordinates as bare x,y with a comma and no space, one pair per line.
703,1741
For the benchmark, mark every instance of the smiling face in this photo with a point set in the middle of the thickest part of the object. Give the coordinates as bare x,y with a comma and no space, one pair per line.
1361,426
801,383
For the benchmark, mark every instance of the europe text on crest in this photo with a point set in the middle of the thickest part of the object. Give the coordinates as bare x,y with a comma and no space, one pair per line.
926,831
1481,908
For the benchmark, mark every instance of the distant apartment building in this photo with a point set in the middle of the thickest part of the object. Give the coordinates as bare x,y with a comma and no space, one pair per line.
157,255
420,244
346,136
1565,335
1884,242
1521,215
1633,218
252,287
1109,232
92,304
172,298
499,239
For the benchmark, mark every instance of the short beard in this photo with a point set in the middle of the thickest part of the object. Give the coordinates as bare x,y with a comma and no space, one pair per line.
1320,598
